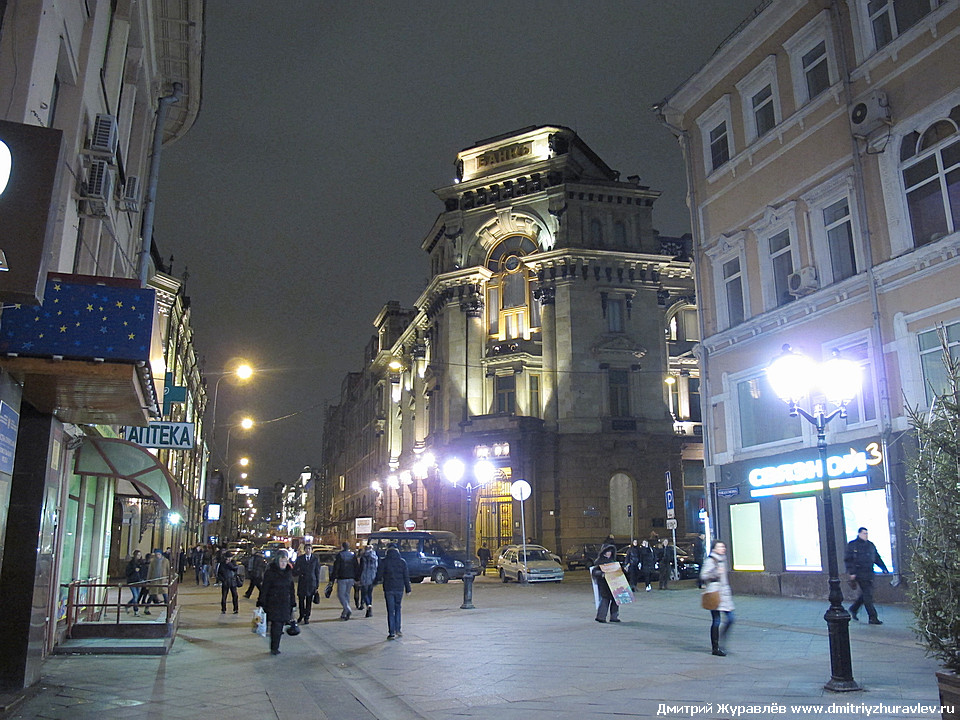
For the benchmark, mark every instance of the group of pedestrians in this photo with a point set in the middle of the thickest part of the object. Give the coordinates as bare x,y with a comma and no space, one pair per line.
860,558
148,580
367,570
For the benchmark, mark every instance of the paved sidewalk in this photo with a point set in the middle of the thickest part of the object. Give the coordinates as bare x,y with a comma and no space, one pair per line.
527,652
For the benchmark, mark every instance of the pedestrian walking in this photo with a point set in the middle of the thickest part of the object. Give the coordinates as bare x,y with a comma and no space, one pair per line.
136,573
181,563
228,578
256,566
483,554
206,561
860,557
196,557
648,563
714,577
158,579
369,563
633,565
608,554
307,571
668,559
277,597
392,571
344,573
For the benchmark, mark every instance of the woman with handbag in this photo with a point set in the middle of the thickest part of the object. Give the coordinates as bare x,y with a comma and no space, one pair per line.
277,598
716,595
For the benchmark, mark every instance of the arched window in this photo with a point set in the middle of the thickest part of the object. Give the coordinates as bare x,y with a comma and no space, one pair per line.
511,310
930,168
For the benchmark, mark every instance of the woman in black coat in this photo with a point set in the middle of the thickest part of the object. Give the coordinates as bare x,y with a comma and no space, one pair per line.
277,598
648,563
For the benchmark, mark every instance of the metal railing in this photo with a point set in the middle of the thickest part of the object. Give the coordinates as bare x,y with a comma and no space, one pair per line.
89,601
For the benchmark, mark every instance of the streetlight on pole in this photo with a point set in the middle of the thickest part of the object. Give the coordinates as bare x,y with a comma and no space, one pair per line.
793,377
241,372
483,472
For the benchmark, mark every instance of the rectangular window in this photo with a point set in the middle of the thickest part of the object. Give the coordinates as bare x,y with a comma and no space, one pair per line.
535,395
801,534
719,145
887,25
763,111
615,313
506,391
931,359
839,228
493,311
693,386
816,70
932,186
619,386
868,508
764,417
733,288
781,260
746,536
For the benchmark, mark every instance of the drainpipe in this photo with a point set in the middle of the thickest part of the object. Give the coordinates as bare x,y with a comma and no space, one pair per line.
683,138
876,331
149,201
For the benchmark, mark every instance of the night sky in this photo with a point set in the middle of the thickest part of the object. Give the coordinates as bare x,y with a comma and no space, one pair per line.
299,199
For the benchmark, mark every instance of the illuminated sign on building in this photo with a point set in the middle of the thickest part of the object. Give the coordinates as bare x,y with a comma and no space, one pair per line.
503,154
175,436
807,475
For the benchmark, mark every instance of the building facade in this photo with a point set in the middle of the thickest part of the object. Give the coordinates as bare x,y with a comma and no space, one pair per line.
543,344
823,155
89,90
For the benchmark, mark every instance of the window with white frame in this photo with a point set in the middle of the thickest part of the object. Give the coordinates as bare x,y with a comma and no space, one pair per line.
863,407
891,18
838,229
764,417
930,168
732,273
716,134
781,264
931,358
760,97
812,64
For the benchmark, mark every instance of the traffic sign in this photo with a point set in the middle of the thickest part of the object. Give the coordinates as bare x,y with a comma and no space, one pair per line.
669,496
671,524
409,525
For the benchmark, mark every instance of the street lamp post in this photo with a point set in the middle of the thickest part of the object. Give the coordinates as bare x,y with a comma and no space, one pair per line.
243,372
792,377
483,472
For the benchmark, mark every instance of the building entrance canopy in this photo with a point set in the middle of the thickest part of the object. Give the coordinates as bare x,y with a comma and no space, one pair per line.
117,458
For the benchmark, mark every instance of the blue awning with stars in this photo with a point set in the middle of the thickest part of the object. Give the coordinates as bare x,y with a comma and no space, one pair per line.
83,317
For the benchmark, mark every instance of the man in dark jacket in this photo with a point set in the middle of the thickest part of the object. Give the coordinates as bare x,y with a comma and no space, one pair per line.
860,557
277,597
392,571
228,579
667,557
256,566
307,570
633,565
346,569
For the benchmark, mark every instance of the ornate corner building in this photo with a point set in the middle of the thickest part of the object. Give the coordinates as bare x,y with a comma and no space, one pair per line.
554,340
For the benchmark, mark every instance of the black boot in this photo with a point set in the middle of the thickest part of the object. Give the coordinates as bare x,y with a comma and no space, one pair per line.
369,611
715,641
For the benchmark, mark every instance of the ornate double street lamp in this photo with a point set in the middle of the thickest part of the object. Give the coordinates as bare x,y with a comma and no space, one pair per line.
483,472
793,377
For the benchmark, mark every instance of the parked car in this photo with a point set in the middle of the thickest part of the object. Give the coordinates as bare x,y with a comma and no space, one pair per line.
537,564
581,555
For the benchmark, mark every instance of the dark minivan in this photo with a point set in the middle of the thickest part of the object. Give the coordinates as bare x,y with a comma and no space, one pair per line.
436,554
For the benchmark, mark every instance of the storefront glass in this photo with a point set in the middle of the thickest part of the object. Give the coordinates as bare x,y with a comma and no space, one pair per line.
869,509
801,534
746,536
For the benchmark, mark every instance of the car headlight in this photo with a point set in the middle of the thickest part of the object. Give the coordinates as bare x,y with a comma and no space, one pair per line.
457,563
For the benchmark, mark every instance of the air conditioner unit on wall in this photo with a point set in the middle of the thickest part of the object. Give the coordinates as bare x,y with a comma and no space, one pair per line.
130,199
97,188
803,282
103,139
870,113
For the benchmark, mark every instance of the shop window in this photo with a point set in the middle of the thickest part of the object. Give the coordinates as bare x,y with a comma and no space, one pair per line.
868,508
931,359
801,534
763,416
746,537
